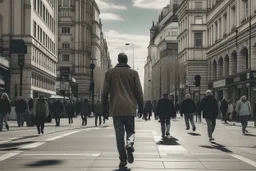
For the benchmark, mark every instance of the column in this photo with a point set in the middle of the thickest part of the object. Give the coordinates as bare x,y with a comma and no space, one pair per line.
241,62
253,58
231,65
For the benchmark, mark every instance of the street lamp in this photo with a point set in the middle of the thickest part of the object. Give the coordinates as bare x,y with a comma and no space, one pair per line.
92,67
128,44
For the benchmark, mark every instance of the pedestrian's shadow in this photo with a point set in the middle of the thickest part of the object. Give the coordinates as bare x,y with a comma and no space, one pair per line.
168,141
217,146
194,134
43,163
123,169
250,135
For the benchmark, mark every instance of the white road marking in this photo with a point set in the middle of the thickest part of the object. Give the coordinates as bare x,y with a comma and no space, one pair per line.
8,155
246,160
32,145
61,136
79,154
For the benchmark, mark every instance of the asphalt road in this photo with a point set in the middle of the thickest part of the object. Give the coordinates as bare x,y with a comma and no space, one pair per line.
77,148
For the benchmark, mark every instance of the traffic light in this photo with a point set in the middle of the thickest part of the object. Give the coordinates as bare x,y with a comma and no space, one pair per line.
197,80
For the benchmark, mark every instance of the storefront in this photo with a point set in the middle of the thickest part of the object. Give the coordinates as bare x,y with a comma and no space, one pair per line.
4,75
233,87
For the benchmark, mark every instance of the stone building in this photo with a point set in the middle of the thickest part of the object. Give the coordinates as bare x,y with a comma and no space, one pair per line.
160,68
35,22
231,53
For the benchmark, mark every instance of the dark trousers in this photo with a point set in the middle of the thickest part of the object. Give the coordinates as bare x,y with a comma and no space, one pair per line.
189,117
155,115
124,124
97,116
244,122
70,120
165,126
57,119
211,123
20,118
40,123
224,115
84,120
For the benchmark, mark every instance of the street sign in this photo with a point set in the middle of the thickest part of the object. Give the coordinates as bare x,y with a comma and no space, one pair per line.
64,72
64,86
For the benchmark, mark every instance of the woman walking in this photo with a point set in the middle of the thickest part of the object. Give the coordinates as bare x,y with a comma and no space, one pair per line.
230,110
5,108
41,112
244,110
70,111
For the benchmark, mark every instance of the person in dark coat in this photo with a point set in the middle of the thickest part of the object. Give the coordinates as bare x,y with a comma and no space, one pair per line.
154,105
5,108
209,106
85,111
21,107
41,112
78,107
188,108
198,115
165,110
148,109
70,109
224,109
98,113
57,108
177,108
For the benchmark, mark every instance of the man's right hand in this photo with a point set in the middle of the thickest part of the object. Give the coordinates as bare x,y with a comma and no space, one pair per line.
105,115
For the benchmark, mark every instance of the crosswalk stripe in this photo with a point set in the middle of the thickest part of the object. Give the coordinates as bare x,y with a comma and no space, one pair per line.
246,160
8,155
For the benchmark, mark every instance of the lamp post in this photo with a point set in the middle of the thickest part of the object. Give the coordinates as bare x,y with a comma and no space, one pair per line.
92,66
21,63
128,44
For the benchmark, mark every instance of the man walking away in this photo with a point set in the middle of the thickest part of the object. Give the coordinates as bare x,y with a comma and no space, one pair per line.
85,111
98,113
70,111
177,109
244,110
124,87
5,108
57,108
165,110
78,107
188,108
154,105
224,109
21,107
149,109
41,112
209,106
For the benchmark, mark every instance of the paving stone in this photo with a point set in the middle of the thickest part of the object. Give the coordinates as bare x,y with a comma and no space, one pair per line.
184,165
228,165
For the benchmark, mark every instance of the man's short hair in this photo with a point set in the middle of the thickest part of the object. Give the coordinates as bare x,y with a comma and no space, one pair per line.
122,58
208,92
187,96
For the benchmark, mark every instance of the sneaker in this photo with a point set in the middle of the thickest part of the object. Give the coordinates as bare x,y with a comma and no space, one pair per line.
211,139
187,128
167,134
42,131
122,163
194,129
130,151
246,131
7,127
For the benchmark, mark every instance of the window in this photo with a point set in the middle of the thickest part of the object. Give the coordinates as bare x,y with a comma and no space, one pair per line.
34,4
246,8
225,23
198,40
65,30
198,5
233,12
65,3
34,34
65,57
199,20
65,46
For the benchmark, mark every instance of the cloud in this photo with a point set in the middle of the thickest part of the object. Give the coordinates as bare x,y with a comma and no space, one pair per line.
110,17
109,6
150,4
116,43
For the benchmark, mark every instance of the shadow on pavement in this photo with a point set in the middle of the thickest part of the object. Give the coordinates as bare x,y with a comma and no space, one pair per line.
217,147
168,141
7,145
123,169
194,134
250,135
25,137
44,163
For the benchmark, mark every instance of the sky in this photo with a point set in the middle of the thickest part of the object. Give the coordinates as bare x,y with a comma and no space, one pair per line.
129,21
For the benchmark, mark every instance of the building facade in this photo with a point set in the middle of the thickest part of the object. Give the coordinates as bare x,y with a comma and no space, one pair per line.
35,22
80,39
192,46
4,75
231,53
160,71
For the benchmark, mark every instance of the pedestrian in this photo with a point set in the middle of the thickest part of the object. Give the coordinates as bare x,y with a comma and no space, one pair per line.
5,109
244,110
57,109
70,109
85,111
165,110
209,106
224,109
148,109
198,115
188,108
41,112
78,107
98,113
230,110
177,109
154,105
123,85
21,107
